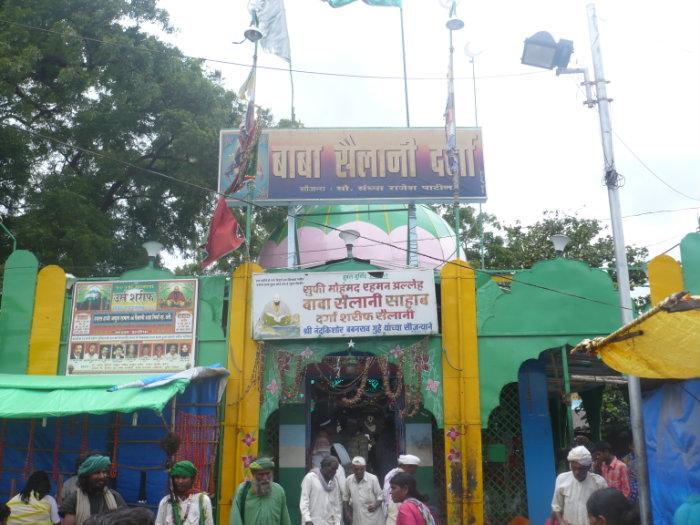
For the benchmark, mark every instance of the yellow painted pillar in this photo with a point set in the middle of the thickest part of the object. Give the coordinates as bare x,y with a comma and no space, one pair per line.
242,410
460,365
665,278
45,338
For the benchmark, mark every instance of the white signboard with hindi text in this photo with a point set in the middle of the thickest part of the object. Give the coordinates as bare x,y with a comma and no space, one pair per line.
344,304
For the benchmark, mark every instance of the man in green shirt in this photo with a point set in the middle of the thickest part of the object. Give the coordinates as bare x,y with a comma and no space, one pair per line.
260,501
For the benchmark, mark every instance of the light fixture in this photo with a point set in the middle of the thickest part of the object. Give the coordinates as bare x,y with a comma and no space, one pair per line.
559,240
454,23
349,237
253,33
540,50
70,281
153,248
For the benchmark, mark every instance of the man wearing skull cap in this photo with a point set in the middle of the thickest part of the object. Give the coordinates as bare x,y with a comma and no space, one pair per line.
260,501
572,489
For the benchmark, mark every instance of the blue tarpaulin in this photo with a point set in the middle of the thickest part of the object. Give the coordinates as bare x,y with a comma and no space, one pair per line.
672,429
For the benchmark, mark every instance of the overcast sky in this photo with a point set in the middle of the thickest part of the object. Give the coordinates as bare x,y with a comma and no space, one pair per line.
542,147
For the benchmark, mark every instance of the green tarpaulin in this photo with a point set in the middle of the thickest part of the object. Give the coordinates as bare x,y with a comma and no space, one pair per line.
23,396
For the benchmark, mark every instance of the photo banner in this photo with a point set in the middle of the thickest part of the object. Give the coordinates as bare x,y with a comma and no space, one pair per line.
132,327
297,166
344,304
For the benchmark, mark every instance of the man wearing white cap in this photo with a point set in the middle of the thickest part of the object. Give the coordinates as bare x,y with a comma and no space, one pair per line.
407,463
572,489
362,496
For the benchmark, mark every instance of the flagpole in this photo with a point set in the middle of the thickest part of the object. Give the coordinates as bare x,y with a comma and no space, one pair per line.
455,172
249,194
291,83
405,77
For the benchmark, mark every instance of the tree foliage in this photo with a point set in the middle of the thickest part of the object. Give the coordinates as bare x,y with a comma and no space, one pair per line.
518,246
80,76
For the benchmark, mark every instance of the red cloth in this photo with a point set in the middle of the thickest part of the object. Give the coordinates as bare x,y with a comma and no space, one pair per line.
409,514
616,476
224,236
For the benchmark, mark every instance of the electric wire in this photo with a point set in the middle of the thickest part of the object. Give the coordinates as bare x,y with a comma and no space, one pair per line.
285,70
253,204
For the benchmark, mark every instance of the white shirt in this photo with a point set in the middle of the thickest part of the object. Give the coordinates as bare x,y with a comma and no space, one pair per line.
571,495
360,494
189,507
317,505
391,509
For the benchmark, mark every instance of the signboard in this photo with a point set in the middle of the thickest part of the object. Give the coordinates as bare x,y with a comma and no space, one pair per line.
132,327
344,304
347,165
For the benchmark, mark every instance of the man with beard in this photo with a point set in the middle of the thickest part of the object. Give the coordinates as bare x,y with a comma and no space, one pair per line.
93,496
572,489
320,502
261,501
184,505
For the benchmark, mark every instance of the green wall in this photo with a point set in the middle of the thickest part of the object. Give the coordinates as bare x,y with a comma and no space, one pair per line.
16,310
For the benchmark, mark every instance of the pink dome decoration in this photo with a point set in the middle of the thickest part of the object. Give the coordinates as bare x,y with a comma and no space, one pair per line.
383,236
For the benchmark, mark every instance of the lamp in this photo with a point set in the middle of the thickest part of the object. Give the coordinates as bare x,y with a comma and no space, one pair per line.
70,280
153,248
253,33
540,50
559,240
454,23
349,237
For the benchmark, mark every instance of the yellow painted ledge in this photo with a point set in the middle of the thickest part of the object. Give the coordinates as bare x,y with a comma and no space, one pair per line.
242,410
45,338
460,365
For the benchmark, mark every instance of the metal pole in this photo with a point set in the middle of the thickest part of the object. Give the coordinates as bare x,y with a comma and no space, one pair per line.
405,78
567,392
623,284
411,255
291,83
9,233
455,173
291,237
249,194
476,114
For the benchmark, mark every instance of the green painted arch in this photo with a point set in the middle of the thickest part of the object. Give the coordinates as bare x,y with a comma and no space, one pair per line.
555,303
690,259
313,350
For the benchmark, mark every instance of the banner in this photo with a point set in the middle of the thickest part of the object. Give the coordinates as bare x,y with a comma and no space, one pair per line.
348,165
344,304
132,327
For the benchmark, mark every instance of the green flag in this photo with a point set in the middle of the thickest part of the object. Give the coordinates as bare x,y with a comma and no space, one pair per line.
341,3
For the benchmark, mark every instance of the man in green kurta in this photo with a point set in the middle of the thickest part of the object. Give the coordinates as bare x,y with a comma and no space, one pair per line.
260,501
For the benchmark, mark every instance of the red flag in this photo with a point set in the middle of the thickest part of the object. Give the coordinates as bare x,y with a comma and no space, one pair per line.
224,235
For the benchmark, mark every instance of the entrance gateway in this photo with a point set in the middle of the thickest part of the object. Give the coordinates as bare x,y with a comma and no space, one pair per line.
367,392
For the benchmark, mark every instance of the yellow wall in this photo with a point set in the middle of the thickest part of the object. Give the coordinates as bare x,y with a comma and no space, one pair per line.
242,411
45,339
460,365
665,278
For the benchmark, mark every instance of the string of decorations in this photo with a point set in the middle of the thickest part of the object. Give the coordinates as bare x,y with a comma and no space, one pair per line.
348,402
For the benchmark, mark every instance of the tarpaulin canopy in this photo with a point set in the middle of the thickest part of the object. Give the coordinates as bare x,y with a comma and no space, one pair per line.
663,343
32,396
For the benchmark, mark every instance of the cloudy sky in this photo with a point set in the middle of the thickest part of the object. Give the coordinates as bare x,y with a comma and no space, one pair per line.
542,146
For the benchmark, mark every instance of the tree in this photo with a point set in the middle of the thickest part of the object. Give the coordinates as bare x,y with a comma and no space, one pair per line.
80,76
517,246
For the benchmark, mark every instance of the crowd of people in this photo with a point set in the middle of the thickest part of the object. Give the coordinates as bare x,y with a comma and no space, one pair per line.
596,490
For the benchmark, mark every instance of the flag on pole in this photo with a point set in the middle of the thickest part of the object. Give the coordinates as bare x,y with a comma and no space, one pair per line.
272,22
224,234
451,130
341,3
245,156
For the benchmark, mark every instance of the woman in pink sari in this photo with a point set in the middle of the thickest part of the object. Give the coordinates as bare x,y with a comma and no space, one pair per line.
412,510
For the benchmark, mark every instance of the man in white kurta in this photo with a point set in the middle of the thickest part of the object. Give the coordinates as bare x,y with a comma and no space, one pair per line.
362,495
320,502
572,489
407,463
192,507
